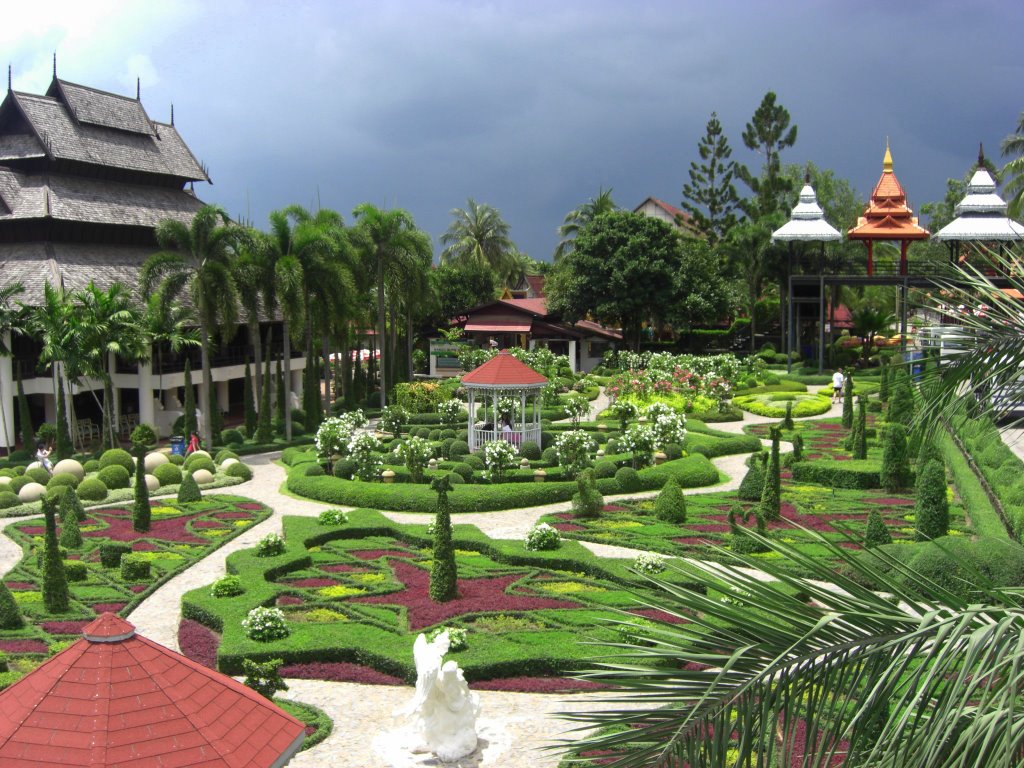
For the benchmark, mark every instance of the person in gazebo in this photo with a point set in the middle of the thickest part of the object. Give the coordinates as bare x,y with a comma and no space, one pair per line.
506,431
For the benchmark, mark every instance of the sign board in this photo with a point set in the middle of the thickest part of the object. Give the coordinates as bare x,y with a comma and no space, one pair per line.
443,358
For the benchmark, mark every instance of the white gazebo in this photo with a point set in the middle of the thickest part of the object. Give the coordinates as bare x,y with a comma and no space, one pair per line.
503,376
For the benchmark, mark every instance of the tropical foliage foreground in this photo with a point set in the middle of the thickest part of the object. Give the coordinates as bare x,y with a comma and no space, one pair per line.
815,674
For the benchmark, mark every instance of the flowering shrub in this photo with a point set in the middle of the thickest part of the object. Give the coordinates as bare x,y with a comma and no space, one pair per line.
499,455
335,433
227,586
509,407
415,452
392,418
577,406
265,624
270,545
457,637
333,517
667,425
625,411
638,440
450,411
549,396
649,563
363,448
573,449
543,536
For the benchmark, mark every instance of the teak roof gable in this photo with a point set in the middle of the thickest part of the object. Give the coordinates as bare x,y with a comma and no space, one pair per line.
102,108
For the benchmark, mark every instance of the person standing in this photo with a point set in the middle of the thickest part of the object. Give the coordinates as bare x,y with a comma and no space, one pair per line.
837,385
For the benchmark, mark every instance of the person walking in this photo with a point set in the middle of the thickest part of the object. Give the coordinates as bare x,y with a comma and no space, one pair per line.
837,386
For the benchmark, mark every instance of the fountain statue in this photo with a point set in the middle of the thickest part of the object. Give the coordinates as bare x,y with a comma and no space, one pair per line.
443,710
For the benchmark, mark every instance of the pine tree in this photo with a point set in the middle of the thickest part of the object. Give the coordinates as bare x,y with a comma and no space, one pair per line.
249,402
860,439
28,437
70,503
927,450
931,507
767,133
670,505
901,401
771,497
752,486
189,405
883,381
64,446
55,580
70,535
787,422
710,196
877,534
798,448
264,425
10,616
189,489
140,509
848,403
444,575
895,472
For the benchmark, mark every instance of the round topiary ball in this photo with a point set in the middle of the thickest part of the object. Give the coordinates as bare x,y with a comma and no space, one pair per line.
31,492
154,460
475,462
38,475
195,461
117,457
202,476
5,480
92,465
92,489
227,463
65,479
605,469
18,483
456,479
71,467
115,476
201,452
344,468
152,484
168,474
239,470
223,455
177,459
313,470
628,479
8,499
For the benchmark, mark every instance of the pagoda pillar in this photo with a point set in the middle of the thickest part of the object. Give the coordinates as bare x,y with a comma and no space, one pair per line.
904,244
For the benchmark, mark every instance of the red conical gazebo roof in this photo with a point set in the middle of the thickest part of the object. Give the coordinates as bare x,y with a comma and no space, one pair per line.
115,698
503,370
887,216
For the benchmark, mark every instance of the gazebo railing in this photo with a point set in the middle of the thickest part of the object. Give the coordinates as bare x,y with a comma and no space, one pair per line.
516,436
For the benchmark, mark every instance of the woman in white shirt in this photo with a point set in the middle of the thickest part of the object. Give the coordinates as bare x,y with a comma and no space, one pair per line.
837,385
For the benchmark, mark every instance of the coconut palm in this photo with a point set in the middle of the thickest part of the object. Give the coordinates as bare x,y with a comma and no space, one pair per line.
54,324
195,264
1013,172
869,322
478,235
109,326
904,674
171,325
395,250
578,218
254,278
12,320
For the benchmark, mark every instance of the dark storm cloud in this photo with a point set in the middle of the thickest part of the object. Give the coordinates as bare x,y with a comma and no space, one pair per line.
533,107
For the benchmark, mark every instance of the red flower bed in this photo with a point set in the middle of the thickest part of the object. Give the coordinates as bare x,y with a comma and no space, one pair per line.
20,585
138,587
373,554
64,627
207,524
249,506
32,530
198,643
487,594
613,508
343,568
233,515
144,546
568,527
709,527
312,582
170,529
23,646
289,600
655,614
339,672
538,685
108,607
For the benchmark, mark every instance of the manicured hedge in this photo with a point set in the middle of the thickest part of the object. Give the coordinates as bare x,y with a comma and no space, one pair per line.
806,405
839,474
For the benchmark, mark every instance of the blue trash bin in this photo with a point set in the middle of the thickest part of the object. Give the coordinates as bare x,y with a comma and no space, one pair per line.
178,445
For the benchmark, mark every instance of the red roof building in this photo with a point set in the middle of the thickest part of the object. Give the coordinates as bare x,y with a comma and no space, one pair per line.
117,699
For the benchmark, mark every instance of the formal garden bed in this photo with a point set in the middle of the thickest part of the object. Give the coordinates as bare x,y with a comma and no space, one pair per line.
355,595
113,568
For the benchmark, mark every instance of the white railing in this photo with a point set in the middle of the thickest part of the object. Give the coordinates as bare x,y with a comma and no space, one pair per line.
516,436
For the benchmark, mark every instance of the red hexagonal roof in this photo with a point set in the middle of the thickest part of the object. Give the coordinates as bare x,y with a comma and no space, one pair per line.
504,370
115,698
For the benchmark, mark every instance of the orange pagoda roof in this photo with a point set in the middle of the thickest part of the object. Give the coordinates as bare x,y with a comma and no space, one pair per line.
115,698
888,217
503,370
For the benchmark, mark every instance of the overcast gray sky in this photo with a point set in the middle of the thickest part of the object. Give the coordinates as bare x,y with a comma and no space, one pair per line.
533,106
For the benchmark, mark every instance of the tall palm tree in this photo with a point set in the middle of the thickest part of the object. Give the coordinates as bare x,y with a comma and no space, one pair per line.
169,324
1013,172
195,264
12,320
393,247
254,276
578,218
55,325
478,235
110,326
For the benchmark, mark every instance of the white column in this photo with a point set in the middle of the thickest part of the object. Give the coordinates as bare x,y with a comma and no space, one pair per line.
223,399
202,405
472,420
296,387
532,344
116,390
147,412
7,394
572,355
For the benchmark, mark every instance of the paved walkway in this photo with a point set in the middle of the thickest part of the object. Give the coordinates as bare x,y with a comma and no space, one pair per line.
513,727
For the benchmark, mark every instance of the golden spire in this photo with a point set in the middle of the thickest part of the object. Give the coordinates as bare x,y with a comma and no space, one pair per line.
887,160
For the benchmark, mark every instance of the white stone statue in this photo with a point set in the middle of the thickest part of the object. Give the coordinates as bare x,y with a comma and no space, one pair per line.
444,710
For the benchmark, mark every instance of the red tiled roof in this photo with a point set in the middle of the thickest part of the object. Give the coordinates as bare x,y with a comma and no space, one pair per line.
503,370
888,216
536,283
536,306
115,698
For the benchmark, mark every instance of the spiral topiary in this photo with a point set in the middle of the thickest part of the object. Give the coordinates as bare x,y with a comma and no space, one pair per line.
444,576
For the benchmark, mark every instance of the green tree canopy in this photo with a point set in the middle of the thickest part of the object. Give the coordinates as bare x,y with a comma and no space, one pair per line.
578,218
478,234
710,196
768,133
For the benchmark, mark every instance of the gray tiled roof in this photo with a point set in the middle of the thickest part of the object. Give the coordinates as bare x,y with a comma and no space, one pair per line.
109,110
76,198
20,146
66,139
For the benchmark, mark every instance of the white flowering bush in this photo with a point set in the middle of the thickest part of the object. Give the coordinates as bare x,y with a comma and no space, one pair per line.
542,536
335,433
499,455
509,407
577,406
668,425
549,395
265,624
333,517
638,439
649,563
457,637
625,411
574,448
270,545
364,449
415,452
392,418
450,411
